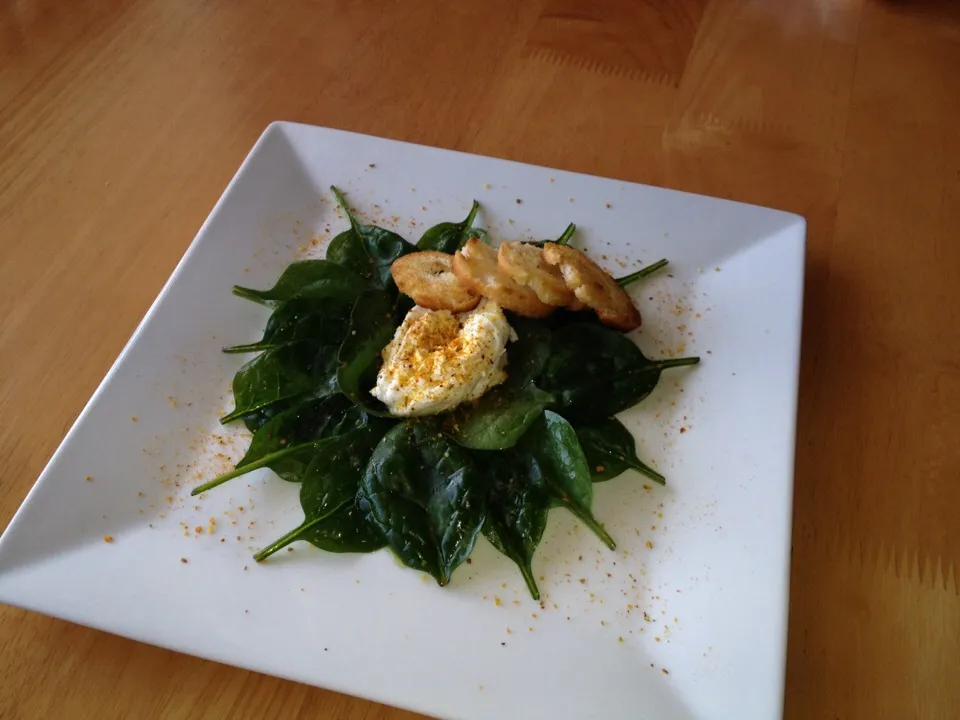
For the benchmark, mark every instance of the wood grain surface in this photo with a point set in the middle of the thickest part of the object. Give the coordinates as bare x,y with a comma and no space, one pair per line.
121,121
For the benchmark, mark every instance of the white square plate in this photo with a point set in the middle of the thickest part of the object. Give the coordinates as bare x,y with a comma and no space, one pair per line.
687,618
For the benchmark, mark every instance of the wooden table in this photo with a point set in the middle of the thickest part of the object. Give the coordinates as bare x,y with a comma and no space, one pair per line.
121,122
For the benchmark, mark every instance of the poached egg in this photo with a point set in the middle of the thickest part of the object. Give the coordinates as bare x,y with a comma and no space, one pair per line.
438,360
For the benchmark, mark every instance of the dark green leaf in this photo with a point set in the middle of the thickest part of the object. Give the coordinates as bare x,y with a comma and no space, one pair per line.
367,250
553,442
595,372
480,234
499,419
258,418
311,419
279,374
312,279
345,531
449,237
333,479
332,519
564,238
517,505
563,317
567,235
642,273
610,450
326,365
292,458
405,304
527,355
372,324
291,461
323,321
333,475
426,497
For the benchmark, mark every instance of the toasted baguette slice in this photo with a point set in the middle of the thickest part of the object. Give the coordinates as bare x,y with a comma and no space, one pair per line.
594,287
428,278
475,265
523,263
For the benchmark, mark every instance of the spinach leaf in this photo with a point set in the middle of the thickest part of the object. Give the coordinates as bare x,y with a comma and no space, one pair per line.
527,355
279,374
517,505
480,234
312,279
567,235
290,461
595,372
311,419
372,324
552,441
564,238
562,317
258,418
333,520
324,321
325,368
333,476
345,531
449,237
501,417
405,304
642,273
426,496
367,250
610,450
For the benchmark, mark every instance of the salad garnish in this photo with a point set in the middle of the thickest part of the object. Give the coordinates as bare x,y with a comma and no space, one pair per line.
422,395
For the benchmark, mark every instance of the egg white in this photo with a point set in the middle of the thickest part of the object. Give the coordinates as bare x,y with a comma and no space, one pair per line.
438,360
